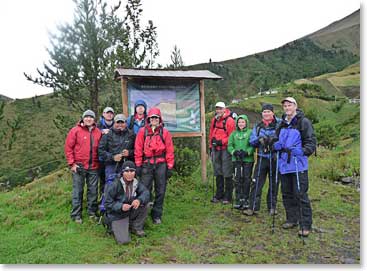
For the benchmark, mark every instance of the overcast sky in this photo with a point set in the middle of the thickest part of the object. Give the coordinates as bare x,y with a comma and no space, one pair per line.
204,29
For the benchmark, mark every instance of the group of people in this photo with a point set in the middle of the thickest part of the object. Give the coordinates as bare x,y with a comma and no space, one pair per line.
129,156
281,146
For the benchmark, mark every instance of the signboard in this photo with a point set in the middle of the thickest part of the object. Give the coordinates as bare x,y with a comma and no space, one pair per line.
179,102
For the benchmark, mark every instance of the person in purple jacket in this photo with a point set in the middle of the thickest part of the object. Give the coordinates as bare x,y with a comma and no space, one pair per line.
297,141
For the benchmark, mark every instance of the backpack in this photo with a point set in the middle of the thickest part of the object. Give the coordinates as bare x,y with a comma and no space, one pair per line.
160,134
232,115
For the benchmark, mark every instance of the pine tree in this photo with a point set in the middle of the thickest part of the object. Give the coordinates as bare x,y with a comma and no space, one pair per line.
84,54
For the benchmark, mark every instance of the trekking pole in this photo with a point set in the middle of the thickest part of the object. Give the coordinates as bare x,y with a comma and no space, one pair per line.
299,199
276,185
271,188
257,182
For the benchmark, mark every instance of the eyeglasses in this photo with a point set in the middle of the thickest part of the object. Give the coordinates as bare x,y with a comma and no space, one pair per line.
154,117
120,121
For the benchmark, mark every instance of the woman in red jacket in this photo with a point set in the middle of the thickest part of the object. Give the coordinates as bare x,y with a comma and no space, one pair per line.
154,158
81,147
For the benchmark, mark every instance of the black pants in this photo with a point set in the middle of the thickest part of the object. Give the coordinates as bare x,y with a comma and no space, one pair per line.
242,181
90,177
296,203
262,169
156,173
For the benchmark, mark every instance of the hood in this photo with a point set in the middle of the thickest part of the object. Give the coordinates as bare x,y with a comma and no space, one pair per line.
245,118
154,111
81,124
140,102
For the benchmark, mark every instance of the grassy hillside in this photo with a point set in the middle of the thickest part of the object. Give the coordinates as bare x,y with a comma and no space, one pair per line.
36,228
342,34
343,83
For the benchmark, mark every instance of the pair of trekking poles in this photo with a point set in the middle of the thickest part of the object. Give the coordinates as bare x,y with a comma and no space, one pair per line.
276,185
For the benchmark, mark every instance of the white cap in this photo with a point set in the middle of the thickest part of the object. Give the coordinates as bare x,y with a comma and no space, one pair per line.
220,104
289,99
108,109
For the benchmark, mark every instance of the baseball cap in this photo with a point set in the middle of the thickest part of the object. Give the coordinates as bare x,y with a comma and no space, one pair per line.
289,99
128,165
120,117
89,113
220,104
108,109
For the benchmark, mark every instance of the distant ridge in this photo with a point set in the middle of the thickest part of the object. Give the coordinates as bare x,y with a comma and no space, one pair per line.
5,98
342,34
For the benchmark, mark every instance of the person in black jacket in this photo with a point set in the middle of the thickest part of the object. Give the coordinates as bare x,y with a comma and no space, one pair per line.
126,204
116,146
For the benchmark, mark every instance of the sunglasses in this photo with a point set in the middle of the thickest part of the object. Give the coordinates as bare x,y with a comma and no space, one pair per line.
120,121
154,117
129,170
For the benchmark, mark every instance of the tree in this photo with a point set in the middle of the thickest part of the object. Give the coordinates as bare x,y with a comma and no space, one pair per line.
176,59
85,53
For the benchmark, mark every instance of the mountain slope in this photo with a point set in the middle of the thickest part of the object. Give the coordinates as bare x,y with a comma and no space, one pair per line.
342,34
328,50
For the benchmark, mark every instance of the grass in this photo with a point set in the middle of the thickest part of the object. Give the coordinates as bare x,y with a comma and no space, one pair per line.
36,228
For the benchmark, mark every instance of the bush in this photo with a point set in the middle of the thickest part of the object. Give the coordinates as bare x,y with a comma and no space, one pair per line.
327,134
186,161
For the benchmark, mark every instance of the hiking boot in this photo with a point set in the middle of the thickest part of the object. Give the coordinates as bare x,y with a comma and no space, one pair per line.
273,212
237,206
139,233
78,220
214,200
304,233
157,221
289,225
249,212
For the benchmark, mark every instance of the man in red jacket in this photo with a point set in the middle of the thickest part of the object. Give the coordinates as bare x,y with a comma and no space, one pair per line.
154,158
221,127
81,148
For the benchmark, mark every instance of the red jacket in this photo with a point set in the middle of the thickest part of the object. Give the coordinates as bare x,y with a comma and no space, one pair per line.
153,147
78,143
219,133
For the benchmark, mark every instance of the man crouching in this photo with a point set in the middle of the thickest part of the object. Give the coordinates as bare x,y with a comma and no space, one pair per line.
126,200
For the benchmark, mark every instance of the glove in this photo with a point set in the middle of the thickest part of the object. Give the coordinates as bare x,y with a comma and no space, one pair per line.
297,151
243,154
139,171
277,146
237,154
169,173
272,140
217,142
263,141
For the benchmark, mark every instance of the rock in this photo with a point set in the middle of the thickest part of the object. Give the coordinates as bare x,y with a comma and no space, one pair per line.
346,180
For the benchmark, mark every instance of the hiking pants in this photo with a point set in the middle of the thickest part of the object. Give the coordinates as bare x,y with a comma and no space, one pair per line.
79,179
292,199
135,221
260,180
222,163
242,178
156,173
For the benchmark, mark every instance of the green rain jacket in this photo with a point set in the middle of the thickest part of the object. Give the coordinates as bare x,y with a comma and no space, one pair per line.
239,140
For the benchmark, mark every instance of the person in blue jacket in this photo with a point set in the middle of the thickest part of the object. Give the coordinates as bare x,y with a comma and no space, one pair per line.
297,141
262,137
137,120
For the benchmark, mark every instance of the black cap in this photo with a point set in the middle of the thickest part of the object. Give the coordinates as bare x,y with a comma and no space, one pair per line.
128,165
268,107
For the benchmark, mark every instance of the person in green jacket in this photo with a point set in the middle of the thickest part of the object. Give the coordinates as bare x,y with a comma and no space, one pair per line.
243,161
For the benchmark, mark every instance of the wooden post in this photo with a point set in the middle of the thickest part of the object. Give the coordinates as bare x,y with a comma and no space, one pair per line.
203,134
125,108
